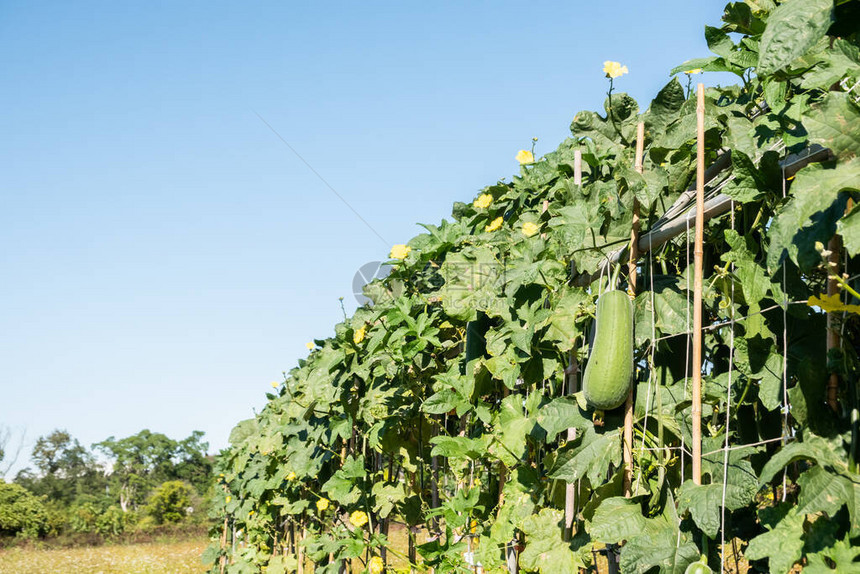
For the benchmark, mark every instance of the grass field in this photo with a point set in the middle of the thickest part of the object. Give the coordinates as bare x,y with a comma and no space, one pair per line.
149,558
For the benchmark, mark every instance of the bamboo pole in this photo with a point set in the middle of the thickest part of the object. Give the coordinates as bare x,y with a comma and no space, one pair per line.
300,554
697,285
223,559
571,374
632,276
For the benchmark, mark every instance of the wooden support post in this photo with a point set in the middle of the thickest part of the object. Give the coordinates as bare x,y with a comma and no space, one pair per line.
223,559
697,285
632,276
571,374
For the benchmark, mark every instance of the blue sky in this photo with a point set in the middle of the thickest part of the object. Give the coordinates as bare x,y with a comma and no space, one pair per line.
165,256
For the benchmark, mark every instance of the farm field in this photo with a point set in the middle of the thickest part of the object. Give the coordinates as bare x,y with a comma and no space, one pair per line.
150,558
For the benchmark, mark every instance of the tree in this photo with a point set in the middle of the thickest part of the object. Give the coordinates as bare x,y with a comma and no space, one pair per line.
65,468
8,452
147,459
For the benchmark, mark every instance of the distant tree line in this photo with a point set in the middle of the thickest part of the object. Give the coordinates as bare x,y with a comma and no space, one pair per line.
135,483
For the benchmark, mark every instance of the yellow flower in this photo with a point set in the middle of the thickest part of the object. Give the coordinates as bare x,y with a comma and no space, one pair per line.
250,513
291,476
494,225
530,229
473,527
477,482
310,346
400,252
275,384
614,69
228,499
831,304
524,156
484,200
376,565
358,518
693,71
322,504
359,334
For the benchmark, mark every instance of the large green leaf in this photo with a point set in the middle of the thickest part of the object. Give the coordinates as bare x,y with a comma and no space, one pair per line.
805,218
705,501
617,519
591,457
782,545
746,184
849,229
545,550
665,105
835,124
792,29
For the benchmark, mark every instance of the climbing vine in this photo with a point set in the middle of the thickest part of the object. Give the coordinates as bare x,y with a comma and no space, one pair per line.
387,422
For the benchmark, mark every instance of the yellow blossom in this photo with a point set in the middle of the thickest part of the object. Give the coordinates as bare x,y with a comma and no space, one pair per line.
693,71
484,200
524,156
477,482
310,346
291,476
473,527
494,225
831,304
359,334
400,252
275,384
358,518
530,229
250,513
614,69
376,565
228,499
322,504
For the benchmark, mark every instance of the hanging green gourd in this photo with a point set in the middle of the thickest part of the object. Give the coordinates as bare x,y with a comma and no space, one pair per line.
609,371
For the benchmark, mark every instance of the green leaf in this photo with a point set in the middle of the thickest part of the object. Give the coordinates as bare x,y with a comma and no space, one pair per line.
592,457
666,105
617,519
822,491
473,279
849,228
792,29
844,555
718,41
835,124
813,447
545,550
753,281
511,429
669,310
243,430
783,545
563,327
459,446
561,414
815,189
705,501
747,184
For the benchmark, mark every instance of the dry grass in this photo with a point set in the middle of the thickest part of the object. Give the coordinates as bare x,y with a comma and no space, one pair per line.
151,558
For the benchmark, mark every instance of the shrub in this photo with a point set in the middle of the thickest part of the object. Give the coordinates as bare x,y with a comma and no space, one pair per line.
170,501
21,512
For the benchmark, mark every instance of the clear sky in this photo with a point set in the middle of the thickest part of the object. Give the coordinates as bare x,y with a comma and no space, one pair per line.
165,256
